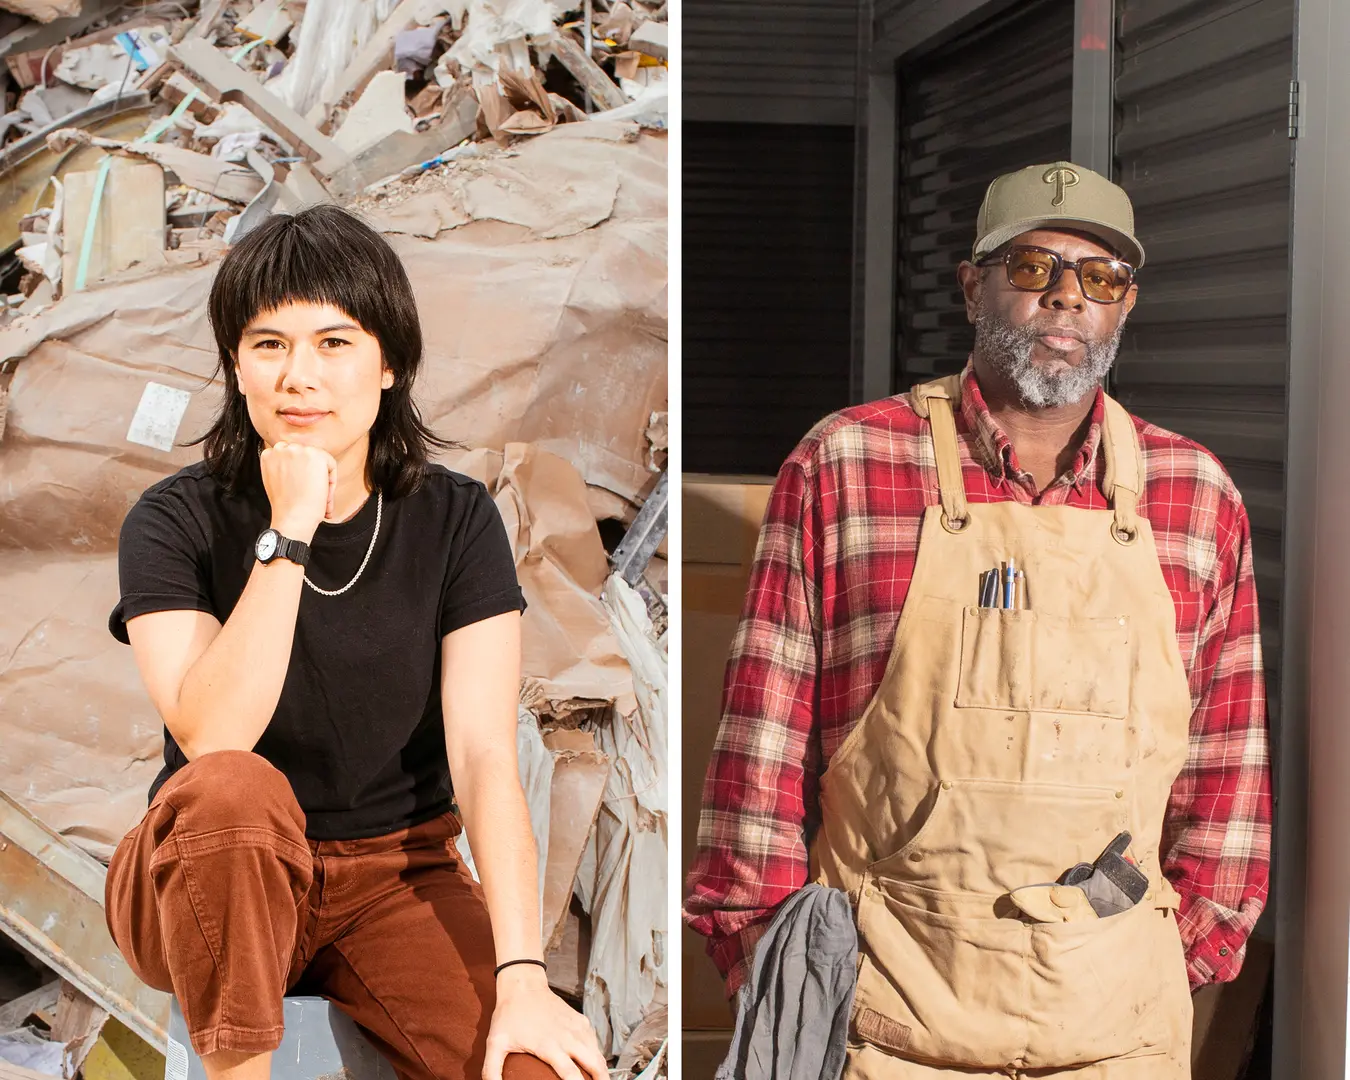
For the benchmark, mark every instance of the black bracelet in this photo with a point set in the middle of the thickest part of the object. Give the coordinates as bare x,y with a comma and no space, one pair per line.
510,963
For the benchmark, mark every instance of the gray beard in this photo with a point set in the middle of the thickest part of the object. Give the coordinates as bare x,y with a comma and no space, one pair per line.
1007,349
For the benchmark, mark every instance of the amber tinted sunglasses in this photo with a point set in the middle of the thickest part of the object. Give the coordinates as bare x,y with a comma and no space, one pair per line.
1035,269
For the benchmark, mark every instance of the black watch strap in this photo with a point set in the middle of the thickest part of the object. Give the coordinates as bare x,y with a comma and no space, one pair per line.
297,551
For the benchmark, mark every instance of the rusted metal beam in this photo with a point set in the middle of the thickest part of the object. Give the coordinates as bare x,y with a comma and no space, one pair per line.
51,903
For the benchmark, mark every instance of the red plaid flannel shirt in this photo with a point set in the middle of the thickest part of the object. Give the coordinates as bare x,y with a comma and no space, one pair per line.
830,576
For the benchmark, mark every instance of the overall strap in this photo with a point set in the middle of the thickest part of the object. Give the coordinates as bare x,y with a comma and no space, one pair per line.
936,401
1124,479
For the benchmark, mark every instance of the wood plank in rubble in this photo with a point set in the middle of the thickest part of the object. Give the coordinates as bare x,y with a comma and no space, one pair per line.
205,65
51,903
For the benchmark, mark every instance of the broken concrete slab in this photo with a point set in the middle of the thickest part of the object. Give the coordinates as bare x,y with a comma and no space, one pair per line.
626,65
618,25
47,104
33,36
400,150
130,226
652,39
304,187
15,1013
223,81
380,111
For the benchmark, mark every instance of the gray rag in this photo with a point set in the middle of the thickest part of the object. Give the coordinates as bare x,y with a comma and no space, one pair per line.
792,1023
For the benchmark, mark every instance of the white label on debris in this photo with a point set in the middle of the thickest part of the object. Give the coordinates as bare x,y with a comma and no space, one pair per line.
158,416
176,1061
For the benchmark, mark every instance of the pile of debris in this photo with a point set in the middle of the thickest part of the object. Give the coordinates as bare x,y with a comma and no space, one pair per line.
137,135
513,153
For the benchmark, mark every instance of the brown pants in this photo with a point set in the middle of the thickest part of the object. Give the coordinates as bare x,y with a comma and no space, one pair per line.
218,898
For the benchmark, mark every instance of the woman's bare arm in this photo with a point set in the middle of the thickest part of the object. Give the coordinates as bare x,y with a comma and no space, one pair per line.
479,691
217,686
480,686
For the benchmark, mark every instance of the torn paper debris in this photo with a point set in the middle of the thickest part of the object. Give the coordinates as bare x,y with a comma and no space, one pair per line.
621,882
497,34
157,417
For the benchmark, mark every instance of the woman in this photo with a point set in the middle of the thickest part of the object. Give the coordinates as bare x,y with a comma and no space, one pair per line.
330,627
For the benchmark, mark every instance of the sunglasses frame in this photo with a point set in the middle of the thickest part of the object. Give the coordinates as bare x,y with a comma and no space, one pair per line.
1061,264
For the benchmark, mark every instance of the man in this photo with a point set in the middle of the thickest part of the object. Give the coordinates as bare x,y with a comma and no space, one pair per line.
998,678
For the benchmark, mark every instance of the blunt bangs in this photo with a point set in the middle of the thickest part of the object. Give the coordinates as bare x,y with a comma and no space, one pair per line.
322,255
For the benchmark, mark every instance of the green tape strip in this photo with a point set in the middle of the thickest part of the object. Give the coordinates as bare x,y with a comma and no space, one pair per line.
159,127
246,49
152,134
87,243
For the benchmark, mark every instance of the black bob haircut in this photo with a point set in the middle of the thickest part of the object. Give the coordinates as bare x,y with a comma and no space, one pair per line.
321,255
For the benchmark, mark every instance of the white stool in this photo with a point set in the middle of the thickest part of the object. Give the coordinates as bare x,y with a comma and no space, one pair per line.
320,1042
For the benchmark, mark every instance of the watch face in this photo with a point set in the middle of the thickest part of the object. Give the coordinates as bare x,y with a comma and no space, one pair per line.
267,545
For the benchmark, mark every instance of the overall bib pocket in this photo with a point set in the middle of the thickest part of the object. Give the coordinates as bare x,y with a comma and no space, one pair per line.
1037,661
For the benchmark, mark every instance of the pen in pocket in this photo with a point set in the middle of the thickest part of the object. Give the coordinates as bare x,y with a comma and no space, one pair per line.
989,588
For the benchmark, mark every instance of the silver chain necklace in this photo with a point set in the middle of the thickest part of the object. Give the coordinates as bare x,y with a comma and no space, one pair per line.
379,507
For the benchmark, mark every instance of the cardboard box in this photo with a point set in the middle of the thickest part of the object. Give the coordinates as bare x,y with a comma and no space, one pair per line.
721,520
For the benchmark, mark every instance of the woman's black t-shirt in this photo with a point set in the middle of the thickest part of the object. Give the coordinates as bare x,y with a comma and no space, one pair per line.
358,730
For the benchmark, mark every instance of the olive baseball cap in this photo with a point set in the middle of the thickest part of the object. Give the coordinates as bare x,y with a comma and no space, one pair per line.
1058,195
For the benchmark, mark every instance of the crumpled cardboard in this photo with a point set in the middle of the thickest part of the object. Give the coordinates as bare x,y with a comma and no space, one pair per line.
547,354
80,742
559,342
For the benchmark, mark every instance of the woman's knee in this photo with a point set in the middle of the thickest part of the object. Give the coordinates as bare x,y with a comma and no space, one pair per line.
527,1067
235,789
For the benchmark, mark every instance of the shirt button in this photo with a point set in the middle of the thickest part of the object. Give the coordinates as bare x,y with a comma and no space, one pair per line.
1223,950
1120,794
916,856
946,785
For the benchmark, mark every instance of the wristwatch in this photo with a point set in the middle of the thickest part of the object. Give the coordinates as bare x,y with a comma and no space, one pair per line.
272,545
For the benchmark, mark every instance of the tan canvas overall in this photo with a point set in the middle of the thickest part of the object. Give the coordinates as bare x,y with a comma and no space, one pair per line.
1002,748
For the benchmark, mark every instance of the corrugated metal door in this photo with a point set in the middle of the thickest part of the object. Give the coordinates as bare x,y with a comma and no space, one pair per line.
768,232
993,100
769,61
1202,146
